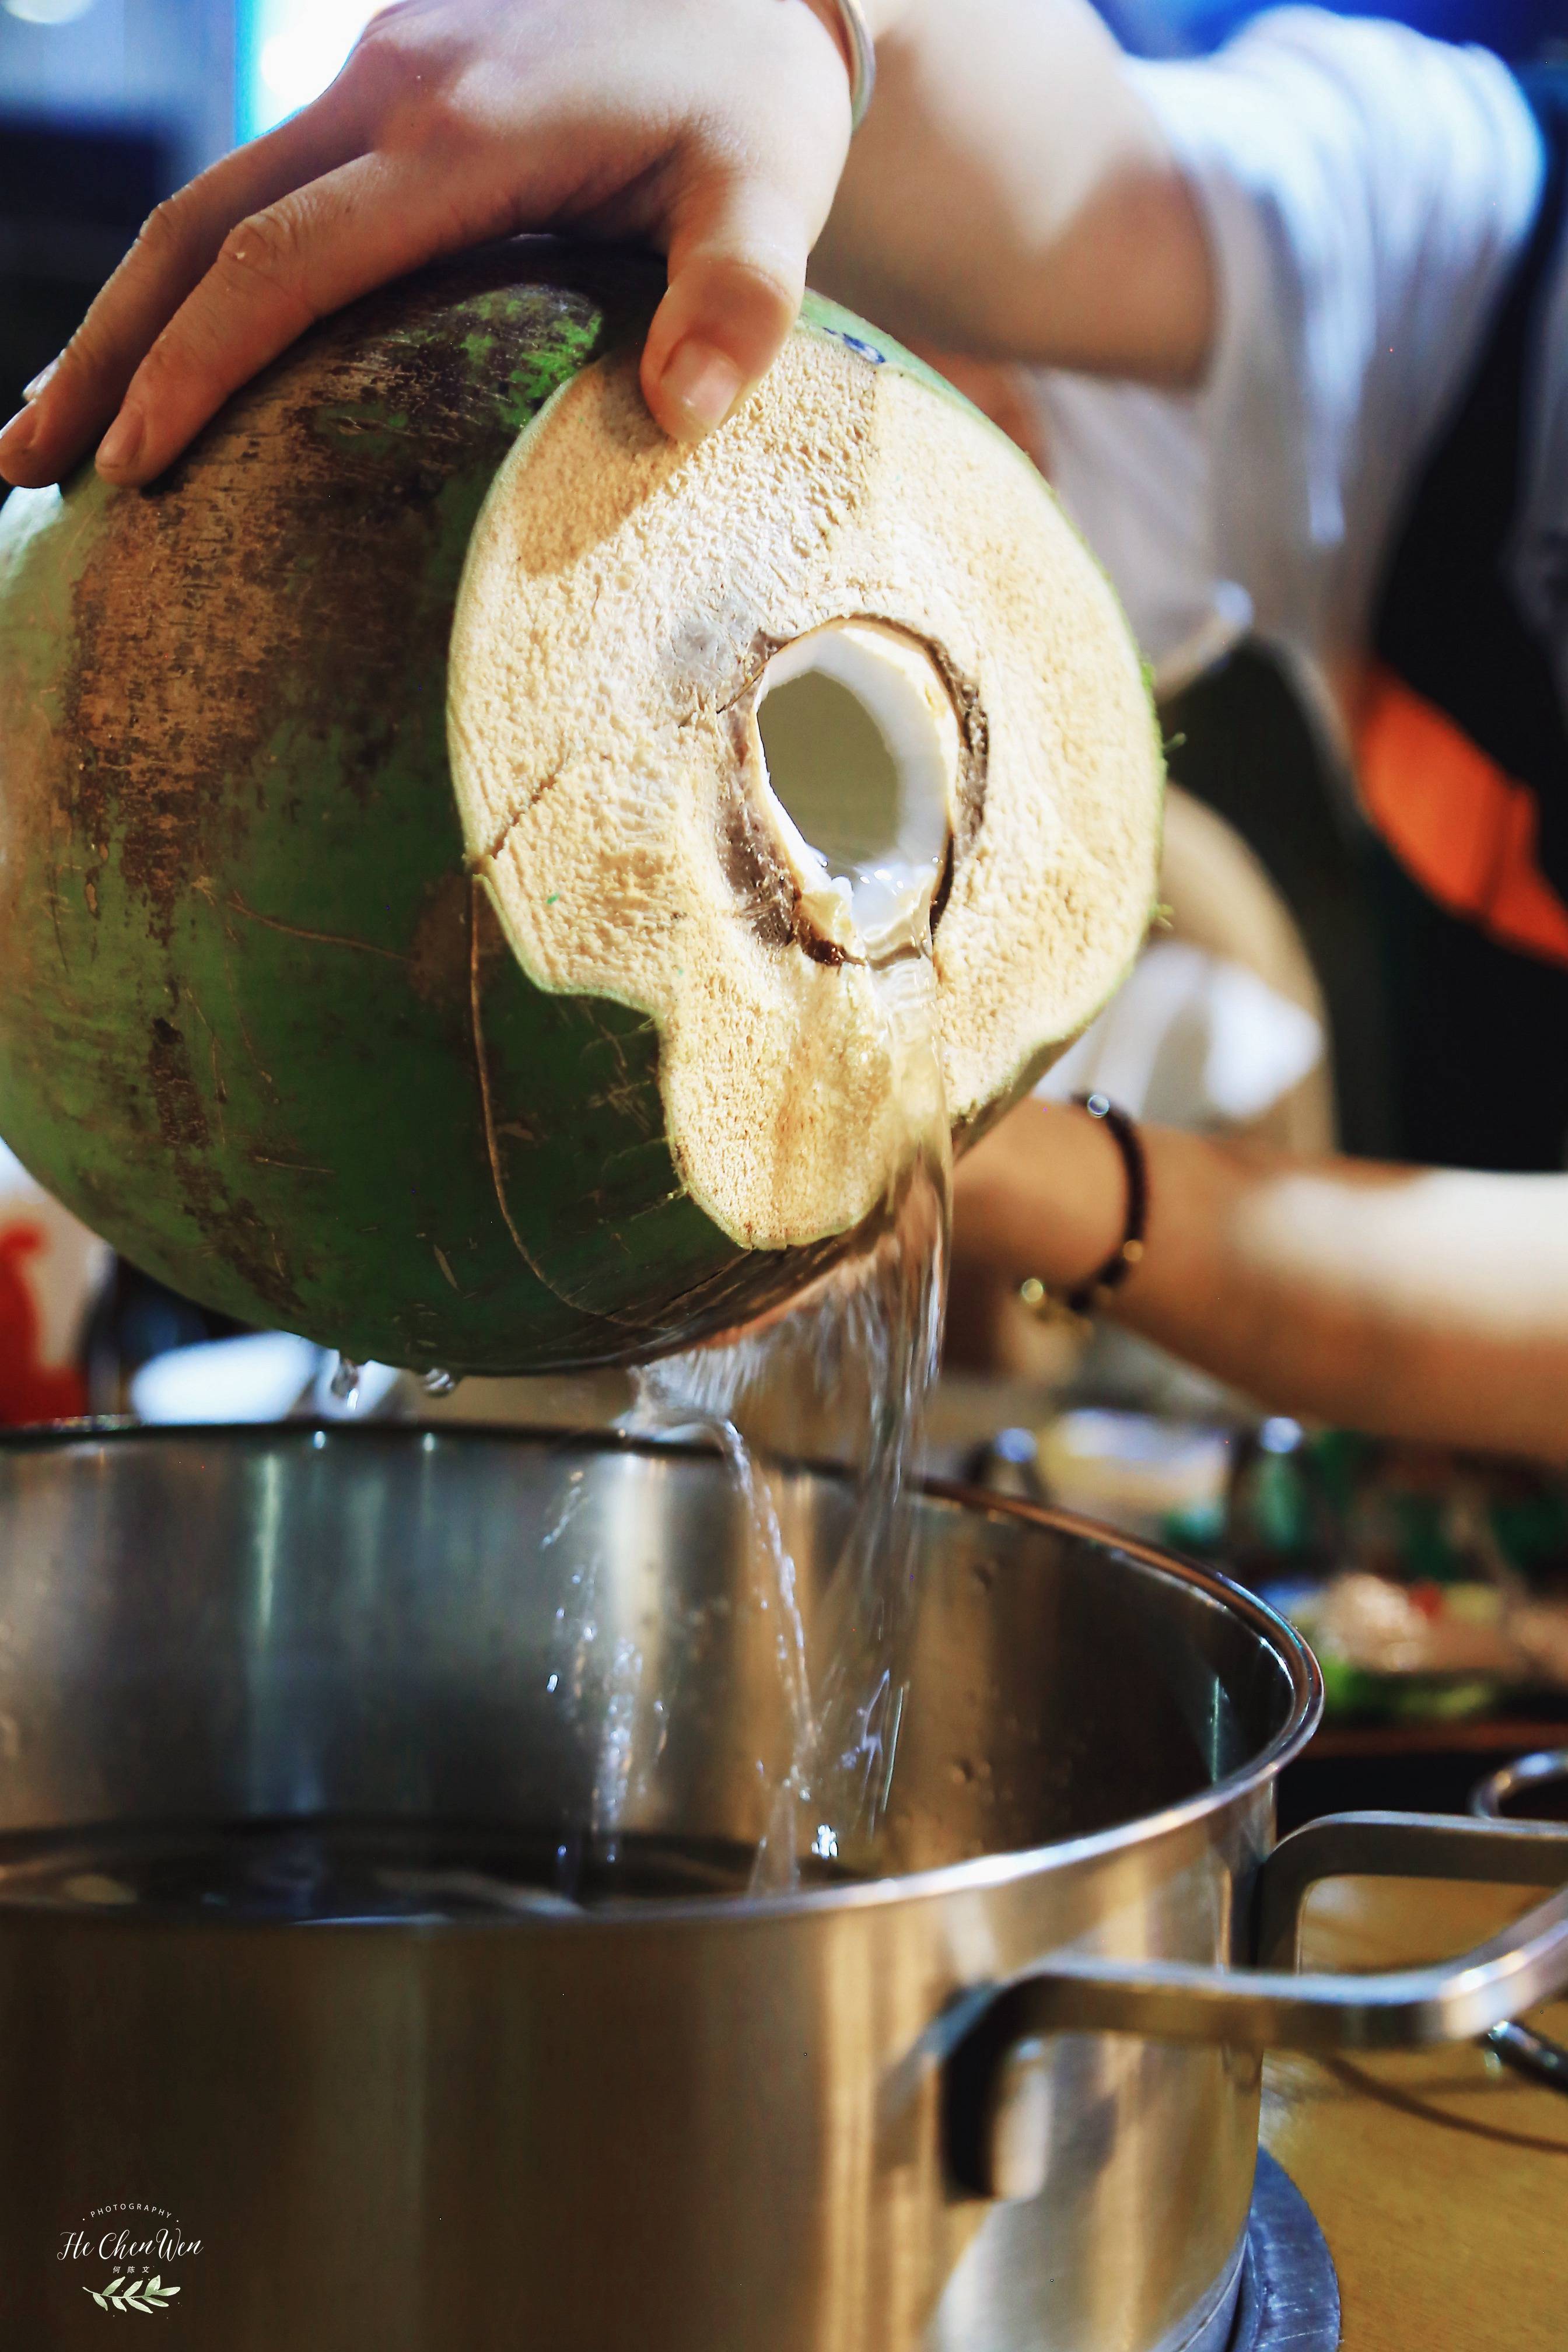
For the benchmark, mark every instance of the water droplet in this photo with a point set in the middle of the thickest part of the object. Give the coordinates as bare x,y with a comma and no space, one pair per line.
824,1844
440,1384
553,1683
345,1381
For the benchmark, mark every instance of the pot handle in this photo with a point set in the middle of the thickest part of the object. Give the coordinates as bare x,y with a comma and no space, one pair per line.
1526,2053
993,2083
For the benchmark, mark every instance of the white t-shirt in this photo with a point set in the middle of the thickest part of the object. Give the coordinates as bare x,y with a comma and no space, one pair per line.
1367,191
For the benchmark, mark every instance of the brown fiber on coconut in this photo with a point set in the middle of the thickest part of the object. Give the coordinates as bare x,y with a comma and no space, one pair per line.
621,601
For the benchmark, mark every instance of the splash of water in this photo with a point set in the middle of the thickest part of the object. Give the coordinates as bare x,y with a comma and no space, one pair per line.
864,1345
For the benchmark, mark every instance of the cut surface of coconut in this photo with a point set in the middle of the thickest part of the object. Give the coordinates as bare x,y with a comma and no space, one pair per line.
720,718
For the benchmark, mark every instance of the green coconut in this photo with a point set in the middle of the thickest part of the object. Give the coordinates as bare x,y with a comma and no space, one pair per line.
433,913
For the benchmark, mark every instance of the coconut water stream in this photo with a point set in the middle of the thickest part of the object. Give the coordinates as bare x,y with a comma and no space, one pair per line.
862,1346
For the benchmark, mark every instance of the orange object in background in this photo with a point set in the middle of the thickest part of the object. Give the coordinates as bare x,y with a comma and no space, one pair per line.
30,1390
51,1271
1463,827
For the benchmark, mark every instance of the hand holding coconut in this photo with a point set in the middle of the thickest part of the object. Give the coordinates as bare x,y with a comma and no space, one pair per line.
1011,194
714,130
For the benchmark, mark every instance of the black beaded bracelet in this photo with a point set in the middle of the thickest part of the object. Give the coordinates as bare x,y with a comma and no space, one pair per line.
1080,1304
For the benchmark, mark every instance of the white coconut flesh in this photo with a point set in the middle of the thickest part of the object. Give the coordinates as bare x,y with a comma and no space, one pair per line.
861,751
728,723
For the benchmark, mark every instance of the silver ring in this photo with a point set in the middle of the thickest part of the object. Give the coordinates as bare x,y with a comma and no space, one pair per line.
862,61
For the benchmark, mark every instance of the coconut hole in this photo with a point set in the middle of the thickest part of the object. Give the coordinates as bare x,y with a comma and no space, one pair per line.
860,741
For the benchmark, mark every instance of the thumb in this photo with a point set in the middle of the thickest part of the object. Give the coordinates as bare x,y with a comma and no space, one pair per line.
737,271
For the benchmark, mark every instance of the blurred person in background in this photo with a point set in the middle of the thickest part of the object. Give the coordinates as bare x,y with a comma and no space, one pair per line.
1293,319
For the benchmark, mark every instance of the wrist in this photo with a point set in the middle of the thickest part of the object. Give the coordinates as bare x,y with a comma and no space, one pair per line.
852,26
1116,1268
1092,1200
884,17
828,13
1045,1196
1090,1204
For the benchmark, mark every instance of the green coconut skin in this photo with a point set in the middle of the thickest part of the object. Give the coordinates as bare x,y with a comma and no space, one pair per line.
252,1003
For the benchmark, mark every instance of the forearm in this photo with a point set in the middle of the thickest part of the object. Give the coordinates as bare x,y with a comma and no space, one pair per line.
1011,194
1427,1303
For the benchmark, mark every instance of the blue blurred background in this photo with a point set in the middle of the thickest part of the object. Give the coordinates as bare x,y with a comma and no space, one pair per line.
105,105
1520,28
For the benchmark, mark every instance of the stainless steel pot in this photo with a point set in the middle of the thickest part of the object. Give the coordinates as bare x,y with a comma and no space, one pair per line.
1533,1788
1005,2098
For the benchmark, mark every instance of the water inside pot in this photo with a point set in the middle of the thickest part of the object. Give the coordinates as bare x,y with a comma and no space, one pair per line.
338,1872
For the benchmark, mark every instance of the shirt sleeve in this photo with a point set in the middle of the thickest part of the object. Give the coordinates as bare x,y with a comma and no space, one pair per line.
1365,191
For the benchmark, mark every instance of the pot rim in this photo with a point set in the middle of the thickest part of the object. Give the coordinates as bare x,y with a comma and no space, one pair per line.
984,1873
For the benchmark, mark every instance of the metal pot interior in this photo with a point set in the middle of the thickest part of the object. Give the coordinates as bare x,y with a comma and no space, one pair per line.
564,1637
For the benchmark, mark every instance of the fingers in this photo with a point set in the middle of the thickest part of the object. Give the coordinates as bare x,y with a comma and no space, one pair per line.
276,274
737,272
442,133
70,404
749,196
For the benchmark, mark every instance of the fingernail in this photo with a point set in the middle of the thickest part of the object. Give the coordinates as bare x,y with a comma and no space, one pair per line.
122,442
41,381
17,437
704,383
